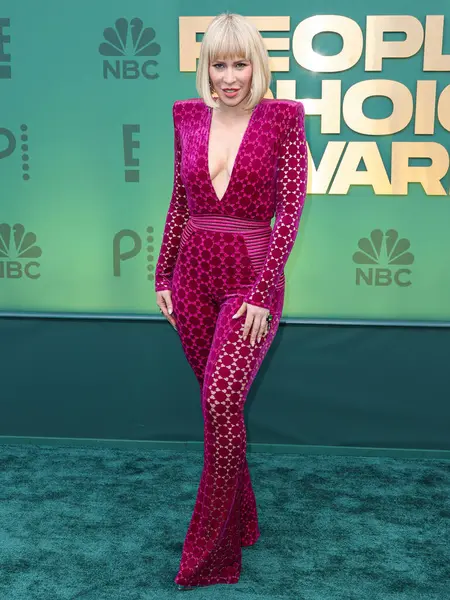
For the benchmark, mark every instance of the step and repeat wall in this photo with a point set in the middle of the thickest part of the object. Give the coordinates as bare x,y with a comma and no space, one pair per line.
86,152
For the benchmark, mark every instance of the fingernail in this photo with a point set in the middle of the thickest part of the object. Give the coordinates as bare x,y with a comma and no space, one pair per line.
170,311
259,339
233,317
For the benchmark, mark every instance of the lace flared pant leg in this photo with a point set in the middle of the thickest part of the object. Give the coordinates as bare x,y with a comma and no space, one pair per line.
225,515
205,297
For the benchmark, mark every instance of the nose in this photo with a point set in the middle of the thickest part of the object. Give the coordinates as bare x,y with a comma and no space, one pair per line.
229,77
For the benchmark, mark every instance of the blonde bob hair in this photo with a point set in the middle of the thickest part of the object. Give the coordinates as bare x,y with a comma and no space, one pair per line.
228,36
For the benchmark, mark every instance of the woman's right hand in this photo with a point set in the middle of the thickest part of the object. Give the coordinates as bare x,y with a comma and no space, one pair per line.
164,301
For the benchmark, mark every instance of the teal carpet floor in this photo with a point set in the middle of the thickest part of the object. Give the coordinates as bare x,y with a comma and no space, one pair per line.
83,523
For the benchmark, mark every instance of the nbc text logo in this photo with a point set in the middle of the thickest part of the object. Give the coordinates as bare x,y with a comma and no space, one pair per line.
387,250
16,250
132,39
127,244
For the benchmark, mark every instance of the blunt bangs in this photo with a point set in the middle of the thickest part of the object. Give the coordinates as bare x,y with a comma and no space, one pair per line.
232,36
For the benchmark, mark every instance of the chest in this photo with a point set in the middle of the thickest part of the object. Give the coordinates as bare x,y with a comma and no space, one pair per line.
225,141
226,165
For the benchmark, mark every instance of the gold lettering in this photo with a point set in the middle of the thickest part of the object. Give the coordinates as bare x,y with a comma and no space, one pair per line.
328,107
397,92
319,179
443,110
433,59
331,106
374,175
425,107
308,58
428,176
377,48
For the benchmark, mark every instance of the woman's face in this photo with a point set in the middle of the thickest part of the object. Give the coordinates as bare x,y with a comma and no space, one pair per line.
231,74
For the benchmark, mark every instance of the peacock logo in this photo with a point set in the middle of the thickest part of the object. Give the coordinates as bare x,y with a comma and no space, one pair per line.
17,249
129,39
390,252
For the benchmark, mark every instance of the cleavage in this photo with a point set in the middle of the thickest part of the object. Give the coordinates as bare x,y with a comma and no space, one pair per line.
224,147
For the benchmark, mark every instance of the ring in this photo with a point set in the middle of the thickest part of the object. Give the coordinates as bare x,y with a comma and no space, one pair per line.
269,318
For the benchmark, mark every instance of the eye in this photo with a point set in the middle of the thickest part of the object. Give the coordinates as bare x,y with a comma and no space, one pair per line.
218,65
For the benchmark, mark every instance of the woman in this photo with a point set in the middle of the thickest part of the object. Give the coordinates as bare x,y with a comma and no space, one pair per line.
240,159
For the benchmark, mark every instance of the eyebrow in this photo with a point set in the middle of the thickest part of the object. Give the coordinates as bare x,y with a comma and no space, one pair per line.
235,61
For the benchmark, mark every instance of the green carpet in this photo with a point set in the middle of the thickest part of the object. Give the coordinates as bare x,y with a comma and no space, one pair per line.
108,524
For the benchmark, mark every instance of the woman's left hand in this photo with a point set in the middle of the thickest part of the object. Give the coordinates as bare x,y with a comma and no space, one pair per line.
255,320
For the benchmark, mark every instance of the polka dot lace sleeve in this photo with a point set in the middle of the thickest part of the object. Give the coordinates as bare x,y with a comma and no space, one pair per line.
290,198
177,217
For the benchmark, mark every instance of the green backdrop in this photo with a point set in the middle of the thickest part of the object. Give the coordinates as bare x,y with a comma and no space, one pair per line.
86,166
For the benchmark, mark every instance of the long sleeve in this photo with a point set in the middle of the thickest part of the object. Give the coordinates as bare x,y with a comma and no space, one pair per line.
291,186
177,216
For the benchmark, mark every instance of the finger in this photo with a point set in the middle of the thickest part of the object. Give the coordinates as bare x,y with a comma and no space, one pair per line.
241,310
164,301
247,325
255,330
263,330
167,316
166,312
163,309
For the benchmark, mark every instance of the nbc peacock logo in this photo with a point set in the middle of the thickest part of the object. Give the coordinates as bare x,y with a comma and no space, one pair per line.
389,253
129,39
17,251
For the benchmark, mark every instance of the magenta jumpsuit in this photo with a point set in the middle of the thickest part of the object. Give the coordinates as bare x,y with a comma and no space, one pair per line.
215,255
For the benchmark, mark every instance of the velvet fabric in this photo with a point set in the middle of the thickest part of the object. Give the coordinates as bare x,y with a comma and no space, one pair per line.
217,253
269,178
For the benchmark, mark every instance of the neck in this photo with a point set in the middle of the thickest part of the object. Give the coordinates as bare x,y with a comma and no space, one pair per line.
231,112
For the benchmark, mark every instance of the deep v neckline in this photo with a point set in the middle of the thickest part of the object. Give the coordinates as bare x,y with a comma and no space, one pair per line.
208,137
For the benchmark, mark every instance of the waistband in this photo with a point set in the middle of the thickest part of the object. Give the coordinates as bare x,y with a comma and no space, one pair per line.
226,223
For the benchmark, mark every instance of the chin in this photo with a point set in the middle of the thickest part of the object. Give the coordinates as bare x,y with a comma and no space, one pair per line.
233,101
